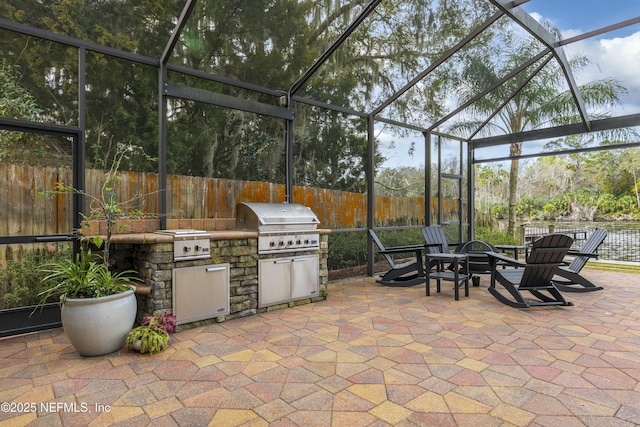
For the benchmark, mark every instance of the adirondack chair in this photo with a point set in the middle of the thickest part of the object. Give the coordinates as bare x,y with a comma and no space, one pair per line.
441,264
534,276
475,249
435,239
571,280
408,273
436,243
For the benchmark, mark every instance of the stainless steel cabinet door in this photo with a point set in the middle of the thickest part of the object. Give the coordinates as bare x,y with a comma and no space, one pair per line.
200,292
274,281
305,276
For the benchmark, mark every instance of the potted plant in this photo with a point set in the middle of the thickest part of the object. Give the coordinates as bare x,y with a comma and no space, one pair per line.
98,307
152,335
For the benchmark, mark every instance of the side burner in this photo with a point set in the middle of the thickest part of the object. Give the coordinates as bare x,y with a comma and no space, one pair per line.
189,244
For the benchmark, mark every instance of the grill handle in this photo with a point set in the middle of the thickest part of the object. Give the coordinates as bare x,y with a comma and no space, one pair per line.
285,221
210,269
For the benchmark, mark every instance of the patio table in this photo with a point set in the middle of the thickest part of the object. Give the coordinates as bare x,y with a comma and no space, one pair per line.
458,261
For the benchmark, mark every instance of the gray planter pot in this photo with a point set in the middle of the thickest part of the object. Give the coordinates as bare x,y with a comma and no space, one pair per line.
97,326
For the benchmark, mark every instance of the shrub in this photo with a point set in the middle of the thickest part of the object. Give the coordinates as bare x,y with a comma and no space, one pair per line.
349,249
24,279
494,237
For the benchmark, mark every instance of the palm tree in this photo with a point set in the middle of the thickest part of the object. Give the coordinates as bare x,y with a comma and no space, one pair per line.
539,96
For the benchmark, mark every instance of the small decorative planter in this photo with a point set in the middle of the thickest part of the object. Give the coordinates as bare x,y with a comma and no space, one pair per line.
152,335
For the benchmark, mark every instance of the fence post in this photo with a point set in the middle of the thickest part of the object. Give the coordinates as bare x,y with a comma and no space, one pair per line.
522,234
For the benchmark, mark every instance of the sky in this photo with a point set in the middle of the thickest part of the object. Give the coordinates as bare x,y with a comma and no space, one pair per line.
616,53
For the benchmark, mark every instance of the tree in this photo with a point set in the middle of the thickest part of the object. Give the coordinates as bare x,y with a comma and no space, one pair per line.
400,182
631,164
543,101
490,186
267,43
17,103
237,39
121,95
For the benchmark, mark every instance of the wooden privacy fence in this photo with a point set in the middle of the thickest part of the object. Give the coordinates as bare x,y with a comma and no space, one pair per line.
24,212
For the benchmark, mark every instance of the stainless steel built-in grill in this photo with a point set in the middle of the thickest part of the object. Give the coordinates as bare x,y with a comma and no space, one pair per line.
189,244
282,227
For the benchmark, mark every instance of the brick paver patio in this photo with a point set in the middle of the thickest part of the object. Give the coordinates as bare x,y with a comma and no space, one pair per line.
367,356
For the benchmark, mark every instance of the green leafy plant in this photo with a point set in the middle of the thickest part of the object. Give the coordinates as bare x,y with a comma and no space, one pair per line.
84,277
152,335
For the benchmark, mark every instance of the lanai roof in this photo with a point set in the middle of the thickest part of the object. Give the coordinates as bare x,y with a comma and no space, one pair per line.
177,32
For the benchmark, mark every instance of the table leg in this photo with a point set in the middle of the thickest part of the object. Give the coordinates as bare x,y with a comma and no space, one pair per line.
466,280
421,270
456,281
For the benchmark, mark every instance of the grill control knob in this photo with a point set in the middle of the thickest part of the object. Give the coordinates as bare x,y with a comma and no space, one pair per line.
187,248
298,242
272,243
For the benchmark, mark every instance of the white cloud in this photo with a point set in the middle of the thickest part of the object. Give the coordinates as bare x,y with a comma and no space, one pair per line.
613,57
400,151
617,58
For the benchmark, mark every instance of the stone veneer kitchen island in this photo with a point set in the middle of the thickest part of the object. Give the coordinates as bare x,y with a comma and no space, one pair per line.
152,256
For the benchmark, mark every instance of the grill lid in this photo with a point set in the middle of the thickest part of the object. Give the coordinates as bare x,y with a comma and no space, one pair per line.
275,217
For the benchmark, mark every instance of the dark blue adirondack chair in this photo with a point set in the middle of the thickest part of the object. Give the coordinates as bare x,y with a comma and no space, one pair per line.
533,277
571,280
405,273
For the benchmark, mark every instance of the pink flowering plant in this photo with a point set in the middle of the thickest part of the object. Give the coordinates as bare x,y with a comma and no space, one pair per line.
165,321
152,335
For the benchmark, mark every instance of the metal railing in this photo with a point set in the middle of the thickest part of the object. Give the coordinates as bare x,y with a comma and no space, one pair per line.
622,242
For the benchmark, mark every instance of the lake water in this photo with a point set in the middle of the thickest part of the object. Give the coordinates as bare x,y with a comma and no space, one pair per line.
622,242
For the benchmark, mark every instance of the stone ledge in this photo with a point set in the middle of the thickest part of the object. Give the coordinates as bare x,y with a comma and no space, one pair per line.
154,238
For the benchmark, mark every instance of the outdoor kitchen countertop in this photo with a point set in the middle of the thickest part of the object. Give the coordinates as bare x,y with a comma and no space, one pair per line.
154,238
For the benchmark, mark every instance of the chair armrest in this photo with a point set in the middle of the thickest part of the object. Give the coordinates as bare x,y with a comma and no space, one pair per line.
505,260
402,249
574,252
